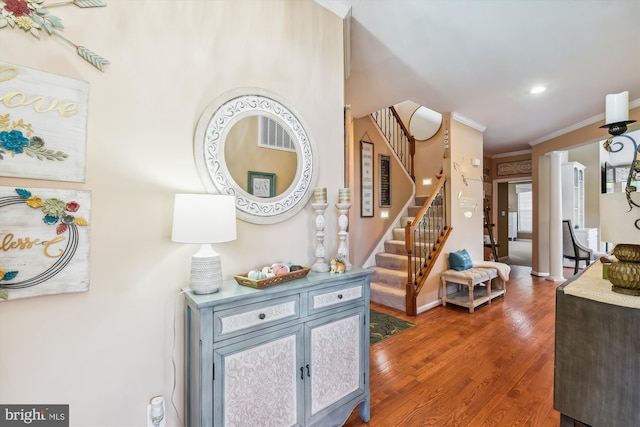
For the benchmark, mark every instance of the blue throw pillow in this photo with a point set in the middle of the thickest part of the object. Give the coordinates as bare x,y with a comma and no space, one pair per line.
460,260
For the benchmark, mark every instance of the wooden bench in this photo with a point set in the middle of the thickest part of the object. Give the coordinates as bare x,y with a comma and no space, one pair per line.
473,295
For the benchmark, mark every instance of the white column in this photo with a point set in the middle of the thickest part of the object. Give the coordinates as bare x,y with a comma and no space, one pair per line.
555,217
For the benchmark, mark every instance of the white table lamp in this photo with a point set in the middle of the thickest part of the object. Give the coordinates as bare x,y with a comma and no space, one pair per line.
204,219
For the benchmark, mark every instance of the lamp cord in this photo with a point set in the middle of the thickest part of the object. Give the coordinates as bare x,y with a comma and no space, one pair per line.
173,361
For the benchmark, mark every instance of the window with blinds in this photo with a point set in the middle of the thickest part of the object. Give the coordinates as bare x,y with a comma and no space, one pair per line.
272,135
525,211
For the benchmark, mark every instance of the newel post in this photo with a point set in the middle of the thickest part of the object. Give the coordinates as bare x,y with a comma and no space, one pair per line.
410,294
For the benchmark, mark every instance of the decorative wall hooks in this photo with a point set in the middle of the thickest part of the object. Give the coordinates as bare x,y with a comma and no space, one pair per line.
32,16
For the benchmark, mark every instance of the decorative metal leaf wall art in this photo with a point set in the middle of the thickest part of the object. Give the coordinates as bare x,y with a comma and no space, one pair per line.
32,16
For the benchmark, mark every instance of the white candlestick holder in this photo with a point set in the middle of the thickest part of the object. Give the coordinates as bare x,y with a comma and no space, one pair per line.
343,234
320,265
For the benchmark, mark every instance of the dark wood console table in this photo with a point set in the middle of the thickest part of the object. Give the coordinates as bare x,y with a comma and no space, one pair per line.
597,353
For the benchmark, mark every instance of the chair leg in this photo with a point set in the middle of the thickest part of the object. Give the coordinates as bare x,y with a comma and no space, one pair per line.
575,270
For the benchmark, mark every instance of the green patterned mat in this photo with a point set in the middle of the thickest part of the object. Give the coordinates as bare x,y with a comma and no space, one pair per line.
384,326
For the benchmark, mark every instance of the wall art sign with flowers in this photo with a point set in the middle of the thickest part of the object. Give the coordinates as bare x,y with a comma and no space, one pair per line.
44,242
43,124
33,17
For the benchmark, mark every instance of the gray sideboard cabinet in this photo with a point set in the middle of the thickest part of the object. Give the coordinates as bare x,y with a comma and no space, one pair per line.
294,354
597,362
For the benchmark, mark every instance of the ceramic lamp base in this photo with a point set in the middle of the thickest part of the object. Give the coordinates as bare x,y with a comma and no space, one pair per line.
206,272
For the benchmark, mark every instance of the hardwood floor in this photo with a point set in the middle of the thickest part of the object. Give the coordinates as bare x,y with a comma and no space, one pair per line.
490,368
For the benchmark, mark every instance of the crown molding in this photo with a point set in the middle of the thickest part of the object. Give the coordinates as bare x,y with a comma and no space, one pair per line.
511,154
467,121
584,123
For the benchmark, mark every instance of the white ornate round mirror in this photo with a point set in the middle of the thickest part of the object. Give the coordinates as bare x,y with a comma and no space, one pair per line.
280,173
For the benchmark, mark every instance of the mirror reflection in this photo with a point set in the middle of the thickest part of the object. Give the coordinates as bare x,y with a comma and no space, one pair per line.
270,184
258,146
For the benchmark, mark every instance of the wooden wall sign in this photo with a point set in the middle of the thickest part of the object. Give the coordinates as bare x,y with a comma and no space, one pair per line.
44,242
43,124
514,168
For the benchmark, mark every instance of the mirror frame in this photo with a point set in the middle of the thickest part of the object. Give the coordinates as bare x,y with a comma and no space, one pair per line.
209,142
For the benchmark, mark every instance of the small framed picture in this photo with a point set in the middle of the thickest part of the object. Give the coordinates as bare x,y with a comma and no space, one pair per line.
384,188
261,184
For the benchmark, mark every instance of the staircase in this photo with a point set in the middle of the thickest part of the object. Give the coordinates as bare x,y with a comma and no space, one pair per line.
409,256
389,280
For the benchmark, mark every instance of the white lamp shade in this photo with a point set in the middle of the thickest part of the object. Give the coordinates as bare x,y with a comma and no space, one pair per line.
617,108
204,218
617,221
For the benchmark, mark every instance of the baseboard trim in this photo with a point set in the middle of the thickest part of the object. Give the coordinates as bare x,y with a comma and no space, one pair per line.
539,273
429,306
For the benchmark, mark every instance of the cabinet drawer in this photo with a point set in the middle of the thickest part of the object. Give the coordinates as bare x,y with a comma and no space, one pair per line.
333,297
255,316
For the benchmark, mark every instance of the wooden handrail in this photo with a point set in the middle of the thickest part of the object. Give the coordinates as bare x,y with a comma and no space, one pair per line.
420,265
397,136
412,142
404,145
439,184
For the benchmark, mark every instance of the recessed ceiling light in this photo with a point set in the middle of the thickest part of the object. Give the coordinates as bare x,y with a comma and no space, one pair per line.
537,89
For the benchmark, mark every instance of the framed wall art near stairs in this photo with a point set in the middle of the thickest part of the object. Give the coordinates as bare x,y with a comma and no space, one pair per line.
366,179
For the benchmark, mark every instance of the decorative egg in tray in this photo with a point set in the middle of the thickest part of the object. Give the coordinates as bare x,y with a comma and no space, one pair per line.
270,275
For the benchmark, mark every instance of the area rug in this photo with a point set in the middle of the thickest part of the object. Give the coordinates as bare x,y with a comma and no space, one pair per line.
383,326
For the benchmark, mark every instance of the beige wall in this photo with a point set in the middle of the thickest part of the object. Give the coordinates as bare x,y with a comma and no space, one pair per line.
108,351
429,161
465,145
588,134
366,233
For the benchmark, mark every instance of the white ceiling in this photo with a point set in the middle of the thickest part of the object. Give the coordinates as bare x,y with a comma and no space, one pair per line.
480,58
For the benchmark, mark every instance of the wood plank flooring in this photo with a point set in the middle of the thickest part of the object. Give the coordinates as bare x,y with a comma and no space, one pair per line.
490,368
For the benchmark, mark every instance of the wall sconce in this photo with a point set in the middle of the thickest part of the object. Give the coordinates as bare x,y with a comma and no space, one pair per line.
620,224
204,219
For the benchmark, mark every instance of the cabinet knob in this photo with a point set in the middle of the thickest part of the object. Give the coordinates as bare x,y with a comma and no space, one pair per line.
339,296
262,316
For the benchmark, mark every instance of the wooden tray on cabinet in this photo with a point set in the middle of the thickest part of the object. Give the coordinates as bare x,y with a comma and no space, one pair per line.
243,280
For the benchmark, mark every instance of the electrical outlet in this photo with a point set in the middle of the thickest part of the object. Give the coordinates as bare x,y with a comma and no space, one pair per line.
156,413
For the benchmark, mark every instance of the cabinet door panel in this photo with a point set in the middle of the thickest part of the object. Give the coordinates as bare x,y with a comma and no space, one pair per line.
258,382
335,359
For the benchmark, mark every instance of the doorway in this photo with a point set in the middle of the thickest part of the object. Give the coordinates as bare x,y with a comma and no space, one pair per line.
514,217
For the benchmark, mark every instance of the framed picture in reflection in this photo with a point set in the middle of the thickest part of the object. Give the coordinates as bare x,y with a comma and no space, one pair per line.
261,184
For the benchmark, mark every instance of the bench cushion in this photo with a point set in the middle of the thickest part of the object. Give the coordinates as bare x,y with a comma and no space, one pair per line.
475,274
